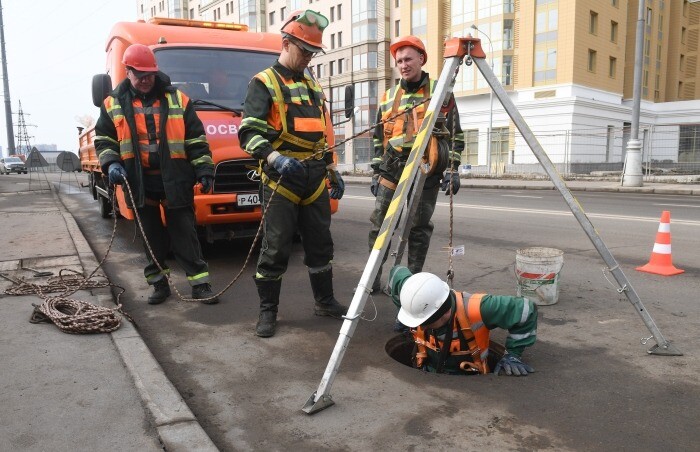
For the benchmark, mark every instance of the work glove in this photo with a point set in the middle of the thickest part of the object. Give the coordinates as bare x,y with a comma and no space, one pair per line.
512,365
286,166
450,179
337,184
374,185
116,173
206,182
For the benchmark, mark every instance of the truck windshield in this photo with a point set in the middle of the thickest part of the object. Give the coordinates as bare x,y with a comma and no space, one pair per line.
220,76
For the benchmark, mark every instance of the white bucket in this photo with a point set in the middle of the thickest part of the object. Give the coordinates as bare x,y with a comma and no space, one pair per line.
537,271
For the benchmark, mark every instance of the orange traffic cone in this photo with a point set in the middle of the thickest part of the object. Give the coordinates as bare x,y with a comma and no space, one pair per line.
660,262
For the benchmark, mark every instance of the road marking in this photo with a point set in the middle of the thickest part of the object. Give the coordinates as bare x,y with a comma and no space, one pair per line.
521,196
546,212
677,205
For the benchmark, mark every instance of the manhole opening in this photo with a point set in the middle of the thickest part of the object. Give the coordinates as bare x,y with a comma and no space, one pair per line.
400,348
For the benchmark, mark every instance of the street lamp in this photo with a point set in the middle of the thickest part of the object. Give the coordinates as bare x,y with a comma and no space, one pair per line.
488,142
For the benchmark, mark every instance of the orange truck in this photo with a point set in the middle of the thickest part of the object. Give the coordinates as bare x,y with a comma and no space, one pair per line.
212,62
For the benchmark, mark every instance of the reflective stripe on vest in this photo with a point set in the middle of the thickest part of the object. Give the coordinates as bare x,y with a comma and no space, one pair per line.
468,321
288,97
400,132
174,127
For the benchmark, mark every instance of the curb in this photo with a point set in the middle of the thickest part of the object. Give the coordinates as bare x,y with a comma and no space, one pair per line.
176,425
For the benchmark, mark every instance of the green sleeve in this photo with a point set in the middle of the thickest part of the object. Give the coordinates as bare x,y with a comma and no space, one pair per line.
254,133
518,315
397,277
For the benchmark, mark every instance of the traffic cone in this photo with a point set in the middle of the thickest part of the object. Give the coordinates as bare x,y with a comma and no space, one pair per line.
660,262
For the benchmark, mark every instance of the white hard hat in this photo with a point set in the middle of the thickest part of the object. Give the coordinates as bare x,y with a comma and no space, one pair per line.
421,296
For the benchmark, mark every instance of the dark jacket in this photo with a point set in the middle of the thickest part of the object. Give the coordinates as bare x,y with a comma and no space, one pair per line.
179,175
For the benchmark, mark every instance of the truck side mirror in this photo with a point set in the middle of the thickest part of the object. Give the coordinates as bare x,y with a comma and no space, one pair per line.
101,87
349,101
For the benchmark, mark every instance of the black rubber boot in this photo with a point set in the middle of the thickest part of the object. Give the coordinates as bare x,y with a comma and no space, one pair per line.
203,292
326,304
269,292
161,291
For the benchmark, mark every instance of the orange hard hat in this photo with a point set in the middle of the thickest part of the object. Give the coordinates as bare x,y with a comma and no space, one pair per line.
306,26
140,58
411,41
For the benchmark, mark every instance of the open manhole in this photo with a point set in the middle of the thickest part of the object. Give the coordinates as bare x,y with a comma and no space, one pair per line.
400,348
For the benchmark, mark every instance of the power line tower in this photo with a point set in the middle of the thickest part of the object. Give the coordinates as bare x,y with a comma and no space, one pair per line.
23,146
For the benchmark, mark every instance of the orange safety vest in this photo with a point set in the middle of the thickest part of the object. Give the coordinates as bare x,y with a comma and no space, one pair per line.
298,111
400,132
470,337
174,127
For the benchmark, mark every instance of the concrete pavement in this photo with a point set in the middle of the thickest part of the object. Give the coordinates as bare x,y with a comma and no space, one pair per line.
66,392
106,391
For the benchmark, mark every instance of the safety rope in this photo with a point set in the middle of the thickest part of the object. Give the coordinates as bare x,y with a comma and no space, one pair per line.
450,268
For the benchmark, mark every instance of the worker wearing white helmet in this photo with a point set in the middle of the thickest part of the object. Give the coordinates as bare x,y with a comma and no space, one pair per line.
432,311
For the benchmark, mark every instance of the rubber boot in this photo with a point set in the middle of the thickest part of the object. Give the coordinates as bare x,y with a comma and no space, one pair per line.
161,291
326,304
269,292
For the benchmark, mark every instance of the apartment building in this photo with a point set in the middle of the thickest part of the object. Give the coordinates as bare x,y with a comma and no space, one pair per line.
567,64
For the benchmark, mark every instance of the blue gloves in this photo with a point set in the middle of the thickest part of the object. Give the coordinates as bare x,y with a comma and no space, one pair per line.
286,166
512,365
450,180
374,185
116,173
206,182
337,184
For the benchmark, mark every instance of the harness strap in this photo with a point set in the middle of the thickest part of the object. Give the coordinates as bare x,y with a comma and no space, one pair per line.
290,195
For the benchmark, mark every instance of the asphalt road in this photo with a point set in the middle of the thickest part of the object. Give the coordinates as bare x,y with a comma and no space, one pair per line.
595,387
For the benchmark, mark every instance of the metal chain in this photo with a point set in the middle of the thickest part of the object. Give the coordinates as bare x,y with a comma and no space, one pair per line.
450,268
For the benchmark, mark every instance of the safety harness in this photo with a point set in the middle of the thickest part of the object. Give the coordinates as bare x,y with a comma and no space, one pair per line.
469,347
287,107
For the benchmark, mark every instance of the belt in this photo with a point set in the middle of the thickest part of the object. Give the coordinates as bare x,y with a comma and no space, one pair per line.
387,183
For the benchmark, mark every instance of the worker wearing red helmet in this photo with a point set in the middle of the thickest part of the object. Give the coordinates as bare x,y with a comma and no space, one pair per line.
393,139
284,127
149,134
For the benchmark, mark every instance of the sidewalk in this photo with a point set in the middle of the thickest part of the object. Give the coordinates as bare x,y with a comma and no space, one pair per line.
65,392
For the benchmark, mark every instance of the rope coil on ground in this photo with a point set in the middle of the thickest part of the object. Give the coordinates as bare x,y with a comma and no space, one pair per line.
77,316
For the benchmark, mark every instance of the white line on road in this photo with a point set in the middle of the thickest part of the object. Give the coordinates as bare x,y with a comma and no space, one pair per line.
677,205
521,196
545,212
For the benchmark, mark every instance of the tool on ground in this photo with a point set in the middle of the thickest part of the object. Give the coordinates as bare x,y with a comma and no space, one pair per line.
37,273
458,50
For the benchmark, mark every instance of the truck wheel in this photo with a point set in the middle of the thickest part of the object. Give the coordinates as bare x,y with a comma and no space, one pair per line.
105,207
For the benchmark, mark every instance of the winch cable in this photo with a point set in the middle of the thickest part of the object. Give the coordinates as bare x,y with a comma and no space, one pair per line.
262,219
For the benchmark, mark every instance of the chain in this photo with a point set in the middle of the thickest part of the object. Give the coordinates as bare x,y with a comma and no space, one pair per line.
450,268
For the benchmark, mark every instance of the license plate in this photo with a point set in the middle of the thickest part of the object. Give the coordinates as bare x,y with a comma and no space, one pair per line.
249,199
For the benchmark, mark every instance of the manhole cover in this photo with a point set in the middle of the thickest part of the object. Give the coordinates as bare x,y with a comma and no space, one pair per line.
400,348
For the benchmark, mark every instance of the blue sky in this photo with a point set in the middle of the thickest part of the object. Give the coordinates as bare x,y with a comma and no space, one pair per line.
53,50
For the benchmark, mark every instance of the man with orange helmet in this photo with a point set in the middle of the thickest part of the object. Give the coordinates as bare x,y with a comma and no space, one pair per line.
284,127
434,312
393,139
149,134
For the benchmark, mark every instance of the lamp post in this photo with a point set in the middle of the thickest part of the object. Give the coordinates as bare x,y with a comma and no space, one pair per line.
488,140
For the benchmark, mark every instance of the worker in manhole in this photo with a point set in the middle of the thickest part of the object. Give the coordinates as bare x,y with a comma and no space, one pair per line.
431,310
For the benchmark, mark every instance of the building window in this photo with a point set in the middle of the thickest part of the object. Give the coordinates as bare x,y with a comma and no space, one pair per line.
397,28
341,63
614,3
332,13
592,55
508,34
319,70
271,20
333,41
613,31
500,141
283,13
340,39
682,35
331,68
364,61
396,3
681,66
613,67
593,25
470,155
419,21
340,12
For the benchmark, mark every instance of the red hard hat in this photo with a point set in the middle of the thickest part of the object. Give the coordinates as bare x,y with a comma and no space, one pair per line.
307,26
411,41
141,58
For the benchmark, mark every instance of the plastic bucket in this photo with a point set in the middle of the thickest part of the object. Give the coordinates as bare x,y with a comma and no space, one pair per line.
537,271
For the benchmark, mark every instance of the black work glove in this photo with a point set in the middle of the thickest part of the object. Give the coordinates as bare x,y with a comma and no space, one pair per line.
206,182
374,185
116,173
450,180
337,184
512,365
